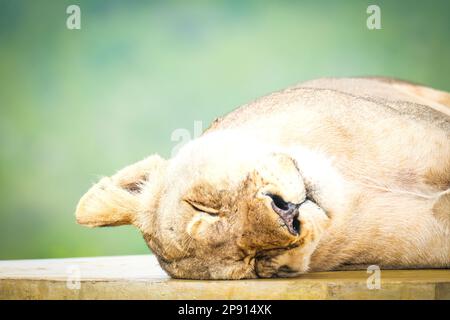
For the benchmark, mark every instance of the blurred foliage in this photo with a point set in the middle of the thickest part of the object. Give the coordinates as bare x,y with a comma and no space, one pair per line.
78,104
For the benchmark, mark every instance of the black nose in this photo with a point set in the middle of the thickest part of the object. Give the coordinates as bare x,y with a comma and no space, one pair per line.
288,212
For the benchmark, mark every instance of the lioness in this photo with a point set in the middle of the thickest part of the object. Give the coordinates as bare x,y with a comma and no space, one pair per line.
321,175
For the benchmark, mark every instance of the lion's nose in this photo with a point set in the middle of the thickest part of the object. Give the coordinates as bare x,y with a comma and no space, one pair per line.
288,212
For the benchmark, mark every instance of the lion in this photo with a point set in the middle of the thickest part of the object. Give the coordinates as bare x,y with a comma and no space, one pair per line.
326,174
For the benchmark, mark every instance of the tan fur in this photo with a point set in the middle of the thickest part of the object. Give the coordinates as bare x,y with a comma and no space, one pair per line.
367,160
441,208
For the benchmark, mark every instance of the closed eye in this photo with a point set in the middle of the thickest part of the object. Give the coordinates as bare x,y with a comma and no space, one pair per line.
199,207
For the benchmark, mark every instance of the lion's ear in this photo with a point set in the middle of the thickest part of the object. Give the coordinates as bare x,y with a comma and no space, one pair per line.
117,200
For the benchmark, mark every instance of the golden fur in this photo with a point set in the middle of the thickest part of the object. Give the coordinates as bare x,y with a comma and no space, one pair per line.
366,161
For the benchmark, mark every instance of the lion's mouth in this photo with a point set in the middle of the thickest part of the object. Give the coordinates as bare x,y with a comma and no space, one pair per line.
287,211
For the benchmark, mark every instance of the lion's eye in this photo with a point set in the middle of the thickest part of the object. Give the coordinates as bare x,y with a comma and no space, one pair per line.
202,208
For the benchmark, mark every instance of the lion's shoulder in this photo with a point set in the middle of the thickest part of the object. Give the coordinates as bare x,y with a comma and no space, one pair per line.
389,94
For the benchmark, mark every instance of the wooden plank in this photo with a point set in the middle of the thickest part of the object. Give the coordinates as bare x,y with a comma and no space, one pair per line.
140,277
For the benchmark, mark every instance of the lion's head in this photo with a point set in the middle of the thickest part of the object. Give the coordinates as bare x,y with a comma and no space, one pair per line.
212,210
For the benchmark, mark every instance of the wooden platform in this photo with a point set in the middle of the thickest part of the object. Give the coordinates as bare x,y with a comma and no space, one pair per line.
140,277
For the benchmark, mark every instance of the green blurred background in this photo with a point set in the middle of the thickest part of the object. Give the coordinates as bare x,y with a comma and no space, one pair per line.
79,104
